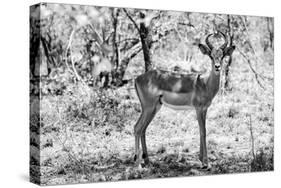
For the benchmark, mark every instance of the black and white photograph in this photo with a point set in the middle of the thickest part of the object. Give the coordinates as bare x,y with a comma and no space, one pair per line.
120,93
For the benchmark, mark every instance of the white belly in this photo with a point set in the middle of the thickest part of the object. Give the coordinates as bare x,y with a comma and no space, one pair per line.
177,107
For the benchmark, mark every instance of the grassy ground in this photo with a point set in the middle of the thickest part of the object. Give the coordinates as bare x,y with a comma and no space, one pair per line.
88,137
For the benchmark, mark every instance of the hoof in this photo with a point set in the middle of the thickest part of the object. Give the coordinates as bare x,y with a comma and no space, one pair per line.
135,157
146,161
140,166
206,167
144,156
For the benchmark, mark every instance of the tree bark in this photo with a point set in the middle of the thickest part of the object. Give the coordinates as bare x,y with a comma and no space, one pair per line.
146,43
115,58
120,72
229,62
271,32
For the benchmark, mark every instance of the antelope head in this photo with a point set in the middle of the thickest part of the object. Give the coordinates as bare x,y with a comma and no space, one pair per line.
216,54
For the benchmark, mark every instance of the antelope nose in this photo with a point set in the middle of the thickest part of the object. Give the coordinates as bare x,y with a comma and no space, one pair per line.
217,66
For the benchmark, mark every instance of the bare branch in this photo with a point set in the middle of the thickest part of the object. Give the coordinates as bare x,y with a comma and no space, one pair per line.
130,45
96,35
75,71
132,20
47,50
134,52
247,32
186,24
72,62
153,16
257,76
167,32
116,57
252,138
67,48
128,39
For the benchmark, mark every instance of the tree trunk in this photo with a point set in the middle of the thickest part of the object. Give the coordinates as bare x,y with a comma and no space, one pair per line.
271,32
146,43
229,62
120,72
115,58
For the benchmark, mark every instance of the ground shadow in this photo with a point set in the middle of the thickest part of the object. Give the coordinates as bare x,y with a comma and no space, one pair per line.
116,168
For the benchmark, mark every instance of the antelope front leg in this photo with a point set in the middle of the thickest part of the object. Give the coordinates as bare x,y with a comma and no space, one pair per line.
144,149
137,132
137,156
149,115
201,117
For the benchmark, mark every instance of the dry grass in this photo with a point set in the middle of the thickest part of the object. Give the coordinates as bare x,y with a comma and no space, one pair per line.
89,138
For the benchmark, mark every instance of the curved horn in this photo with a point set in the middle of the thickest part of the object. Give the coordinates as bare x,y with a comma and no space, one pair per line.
225,39
208,42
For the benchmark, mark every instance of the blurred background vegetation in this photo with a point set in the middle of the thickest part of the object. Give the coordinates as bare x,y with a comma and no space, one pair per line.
83,60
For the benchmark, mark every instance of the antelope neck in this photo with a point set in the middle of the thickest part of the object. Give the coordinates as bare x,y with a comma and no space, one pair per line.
213,83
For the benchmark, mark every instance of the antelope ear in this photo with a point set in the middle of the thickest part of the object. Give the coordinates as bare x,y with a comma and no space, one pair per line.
204,49
229,50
